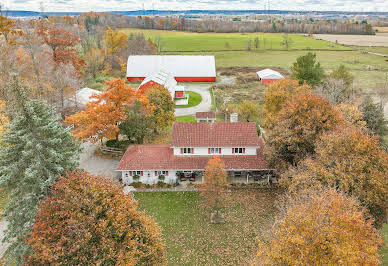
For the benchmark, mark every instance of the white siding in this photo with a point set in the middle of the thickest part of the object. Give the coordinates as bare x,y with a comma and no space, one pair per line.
201,151
149,177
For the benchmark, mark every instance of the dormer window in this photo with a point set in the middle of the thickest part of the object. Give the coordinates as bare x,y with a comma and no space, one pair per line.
214,151
238,150
187,150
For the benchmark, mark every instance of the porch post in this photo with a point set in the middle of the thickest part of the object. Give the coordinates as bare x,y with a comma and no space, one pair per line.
247,178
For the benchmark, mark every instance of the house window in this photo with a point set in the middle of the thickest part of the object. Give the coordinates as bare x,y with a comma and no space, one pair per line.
126,174
214,151
238,150
161,172
139,173
187,150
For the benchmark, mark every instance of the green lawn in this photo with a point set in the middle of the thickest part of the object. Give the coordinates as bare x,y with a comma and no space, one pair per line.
186,118
191,239
384,248
194,99
189,41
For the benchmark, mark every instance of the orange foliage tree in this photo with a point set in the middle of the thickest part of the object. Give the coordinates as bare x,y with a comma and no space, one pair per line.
277,94
62,44
296,128
7,29
105,112
350,161
320,228
88,220
215,184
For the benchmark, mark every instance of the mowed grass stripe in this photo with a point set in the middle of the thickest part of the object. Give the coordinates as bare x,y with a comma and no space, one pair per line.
191,41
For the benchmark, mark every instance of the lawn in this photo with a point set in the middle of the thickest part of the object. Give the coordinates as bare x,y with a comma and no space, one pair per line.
175,41
192,240
384,248
186,118
194,99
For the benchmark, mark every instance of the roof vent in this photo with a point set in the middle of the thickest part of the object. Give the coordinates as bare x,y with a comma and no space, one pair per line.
234,118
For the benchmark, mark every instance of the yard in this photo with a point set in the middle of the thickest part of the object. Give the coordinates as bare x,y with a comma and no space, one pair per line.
176,41
194,99
185,118
192,240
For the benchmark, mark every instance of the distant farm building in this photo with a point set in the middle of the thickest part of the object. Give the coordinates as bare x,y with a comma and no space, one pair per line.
83,96
267,76
205,117
183,68
166,80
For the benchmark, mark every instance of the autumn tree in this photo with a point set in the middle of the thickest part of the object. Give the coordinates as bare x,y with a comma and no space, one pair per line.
373,115
297,126
352,114
105,112
323,227
277,93
161,99
342,73
350,161
307,70
248,111
36,150
215,184
4,121
336,91
89,220
115,40
8,29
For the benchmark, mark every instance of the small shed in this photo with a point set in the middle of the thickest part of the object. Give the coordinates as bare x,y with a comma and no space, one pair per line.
267,76
205,117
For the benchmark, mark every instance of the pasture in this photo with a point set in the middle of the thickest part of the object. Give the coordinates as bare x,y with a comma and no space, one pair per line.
190,237
174,41
360,40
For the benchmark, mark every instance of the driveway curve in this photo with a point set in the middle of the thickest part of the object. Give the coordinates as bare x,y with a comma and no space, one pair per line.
204,106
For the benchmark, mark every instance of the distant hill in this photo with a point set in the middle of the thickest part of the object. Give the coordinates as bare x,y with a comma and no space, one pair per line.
19,13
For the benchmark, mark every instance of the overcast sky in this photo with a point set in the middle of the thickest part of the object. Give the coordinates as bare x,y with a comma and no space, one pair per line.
108,5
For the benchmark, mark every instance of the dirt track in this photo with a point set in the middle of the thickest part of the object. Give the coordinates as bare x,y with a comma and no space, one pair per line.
360,40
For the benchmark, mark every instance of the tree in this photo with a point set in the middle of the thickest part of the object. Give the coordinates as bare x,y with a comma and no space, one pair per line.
306,69
138,124
352,114
277,94
342,73
256,43
336,91
4,121
374,117
298,125
7,29
248,111
323,227
37,150
287,41
215,185
115,40
163,114
350,161
89,220
105,112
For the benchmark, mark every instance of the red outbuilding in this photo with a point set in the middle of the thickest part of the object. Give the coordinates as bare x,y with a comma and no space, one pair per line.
267,76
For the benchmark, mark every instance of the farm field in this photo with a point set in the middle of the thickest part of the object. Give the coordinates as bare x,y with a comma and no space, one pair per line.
192,240
174,41
360,40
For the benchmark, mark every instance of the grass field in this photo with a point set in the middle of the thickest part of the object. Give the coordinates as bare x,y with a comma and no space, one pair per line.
189,41
194,99
192,240
186,118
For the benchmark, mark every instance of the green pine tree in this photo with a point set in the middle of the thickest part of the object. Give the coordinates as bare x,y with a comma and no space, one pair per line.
306,69
37,150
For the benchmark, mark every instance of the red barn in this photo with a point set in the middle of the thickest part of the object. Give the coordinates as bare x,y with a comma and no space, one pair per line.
267,76
166,80
183,68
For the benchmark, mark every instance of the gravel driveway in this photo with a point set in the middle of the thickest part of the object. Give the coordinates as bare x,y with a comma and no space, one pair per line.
204,106
95,164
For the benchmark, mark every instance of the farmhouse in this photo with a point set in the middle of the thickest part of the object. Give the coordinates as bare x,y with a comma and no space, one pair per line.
184,68
205,117
268,76
164,79
193,144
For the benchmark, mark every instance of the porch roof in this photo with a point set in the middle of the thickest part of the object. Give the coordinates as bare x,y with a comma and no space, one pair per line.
161,157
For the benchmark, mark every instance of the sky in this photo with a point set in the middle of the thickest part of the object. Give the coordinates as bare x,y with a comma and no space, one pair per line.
127,5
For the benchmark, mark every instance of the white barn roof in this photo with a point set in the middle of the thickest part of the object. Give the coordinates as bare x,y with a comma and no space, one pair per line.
177,65
83,95
269,74
162,78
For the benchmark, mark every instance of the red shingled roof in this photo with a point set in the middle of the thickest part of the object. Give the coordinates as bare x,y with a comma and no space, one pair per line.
211,115
161,157
214,134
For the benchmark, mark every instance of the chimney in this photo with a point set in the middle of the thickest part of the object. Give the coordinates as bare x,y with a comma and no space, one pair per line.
234,118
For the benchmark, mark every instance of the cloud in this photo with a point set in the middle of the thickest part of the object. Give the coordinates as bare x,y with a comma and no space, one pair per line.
109,5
